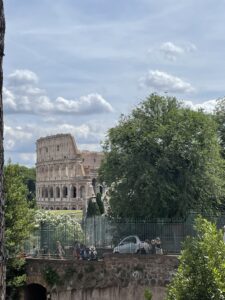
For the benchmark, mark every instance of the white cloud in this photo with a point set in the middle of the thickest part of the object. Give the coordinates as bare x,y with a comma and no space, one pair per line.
24,96
9,99
171,51
21,139
208,106
92,103
164,82
22,77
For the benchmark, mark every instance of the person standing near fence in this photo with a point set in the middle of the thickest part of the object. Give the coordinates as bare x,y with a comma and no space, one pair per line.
158,246
60,251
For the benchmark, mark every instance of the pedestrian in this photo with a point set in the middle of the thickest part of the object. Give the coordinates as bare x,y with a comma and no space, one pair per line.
60,251
158,247
76,250
152,246
34,251
93,253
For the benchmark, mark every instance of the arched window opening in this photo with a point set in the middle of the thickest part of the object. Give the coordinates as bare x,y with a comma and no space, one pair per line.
65,192
57,192
57,208
64,208
94,183
43,192
74,208
73,192
46,192
82,191
51,192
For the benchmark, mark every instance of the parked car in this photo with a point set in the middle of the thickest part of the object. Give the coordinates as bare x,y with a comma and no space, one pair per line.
132,244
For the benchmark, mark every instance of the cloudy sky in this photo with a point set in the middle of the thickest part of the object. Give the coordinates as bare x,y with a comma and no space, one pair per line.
76,65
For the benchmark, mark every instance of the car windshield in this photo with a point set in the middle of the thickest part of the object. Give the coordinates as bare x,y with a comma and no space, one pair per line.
129,240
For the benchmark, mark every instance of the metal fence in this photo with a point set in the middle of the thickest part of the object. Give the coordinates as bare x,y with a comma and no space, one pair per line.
105,234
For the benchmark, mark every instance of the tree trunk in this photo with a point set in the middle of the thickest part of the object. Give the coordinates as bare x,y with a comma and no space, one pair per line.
2,223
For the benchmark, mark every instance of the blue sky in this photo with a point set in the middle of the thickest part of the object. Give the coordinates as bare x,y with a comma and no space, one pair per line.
75,66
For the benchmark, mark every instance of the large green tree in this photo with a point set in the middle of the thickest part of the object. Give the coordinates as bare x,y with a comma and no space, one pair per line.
163,160
220,119
29,179
201,272
19,221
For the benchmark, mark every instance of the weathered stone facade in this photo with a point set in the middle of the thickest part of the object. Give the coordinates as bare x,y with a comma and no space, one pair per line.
120,277
66,178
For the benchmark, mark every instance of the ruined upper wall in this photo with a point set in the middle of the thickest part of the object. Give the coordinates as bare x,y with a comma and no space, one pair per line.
92,159
56,147
63,146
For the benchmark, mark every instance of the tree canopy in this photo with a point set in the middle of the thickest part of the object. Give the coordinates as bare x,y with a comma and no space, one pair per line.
163,160
18,222
220,119
201,271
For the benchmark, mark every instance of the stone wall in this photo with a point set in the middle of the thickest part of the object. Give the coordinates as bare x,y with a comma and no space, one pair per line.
65,176
117,277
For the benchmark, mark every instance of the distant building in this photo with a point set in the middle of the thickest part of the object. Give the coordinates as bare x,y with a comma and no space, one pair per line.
66,177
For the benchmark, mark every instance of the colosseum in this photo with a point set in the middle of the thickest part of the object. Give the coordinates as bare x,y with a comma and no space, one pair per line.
66,178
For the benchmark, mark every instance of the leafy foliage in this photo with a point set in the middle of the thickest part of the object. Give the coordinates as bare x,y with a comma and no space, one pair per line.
51,276
201,273
220,119
29,179
148,294
64,228
93,209
163,160
19,222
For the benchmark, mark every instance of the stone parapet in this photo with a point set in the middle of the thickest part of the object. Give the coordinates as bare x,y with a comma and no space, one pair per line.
118,274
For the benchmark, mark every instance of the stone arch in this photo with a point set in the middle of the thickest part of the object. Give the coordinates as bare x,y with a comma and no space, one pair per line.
51,208
46,192
64,208
65,192
73,192
82,191
35,292
57,192
51,192
57,208
94,184
73,208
